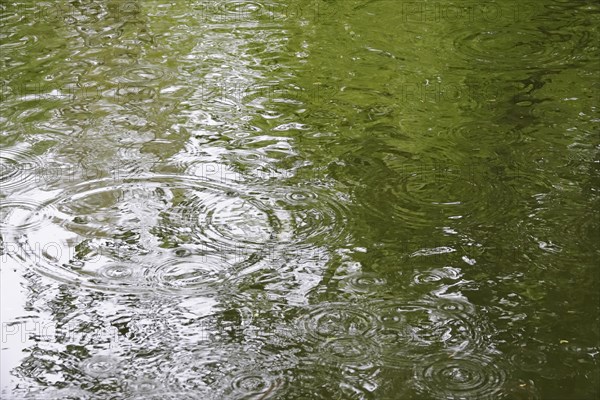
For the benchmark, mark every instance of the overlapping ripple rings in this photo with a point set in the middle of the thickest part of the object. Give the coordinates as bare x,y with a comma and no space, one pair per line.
409,330
252,383
445,376
334,320
18,169
417,194
299,199
317,215
157,231
22,214
342,334
100,366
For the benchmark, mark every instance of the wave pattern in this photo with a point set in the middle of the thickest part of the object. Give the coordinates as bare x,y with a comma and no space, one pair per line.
291,199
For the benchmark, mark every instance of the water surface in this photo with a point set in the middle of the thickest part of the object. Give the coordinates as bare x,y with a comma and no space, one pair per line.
321,199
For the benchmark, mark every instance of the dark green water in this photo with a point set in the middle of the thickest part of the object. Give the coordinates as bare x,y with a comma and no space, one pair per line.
322,199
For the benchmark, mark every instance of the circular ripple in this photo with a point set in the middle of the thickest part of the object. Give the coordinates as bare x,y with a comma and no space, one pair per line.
222,220
22,215
354,350
364,282
18,169
196,372
491,46
399,325
144,386
394,315
452,324
238,220
252,385
100,366
467,377
409,330
337,320
454,306
111,276
416,195
298,197
528,360
117,271
155,231
200,274
531,47
239,11
95,210
436,275
182,252
316,216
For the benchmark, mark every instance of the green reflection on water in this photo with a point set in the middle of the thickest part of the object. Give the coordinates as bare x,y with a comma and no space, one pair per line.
303,199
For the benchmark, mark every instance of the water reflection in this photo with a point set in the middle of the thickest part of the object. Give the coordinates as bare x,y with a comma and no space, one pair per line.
323,199
471,377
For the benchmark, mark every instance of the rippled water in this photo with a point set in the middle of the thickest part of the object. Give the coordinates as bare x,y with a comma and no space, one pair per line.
321,199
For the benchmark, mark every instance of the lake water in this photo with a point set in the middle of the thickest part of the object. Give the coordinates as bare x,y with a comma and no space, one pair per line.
316,199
